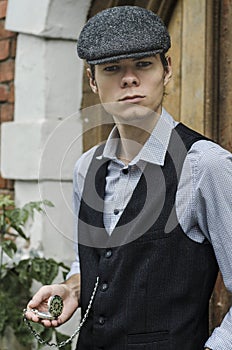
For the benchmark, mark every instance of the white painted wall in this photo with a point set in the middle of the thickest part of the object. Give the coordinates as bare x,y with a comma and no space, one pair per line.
47,18
39,148
49,72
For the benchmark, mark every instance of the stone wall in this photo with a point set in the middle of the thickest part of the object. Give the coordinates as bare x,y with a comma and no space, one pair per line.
41,145
8,41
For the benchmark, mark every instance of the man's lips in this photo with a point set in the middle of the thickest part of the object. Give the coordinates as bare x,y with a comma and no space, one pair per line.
132,98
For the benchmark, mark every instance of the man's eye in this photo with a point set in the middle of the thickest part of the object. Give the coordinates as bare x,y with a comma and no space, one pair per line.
111,68
142,64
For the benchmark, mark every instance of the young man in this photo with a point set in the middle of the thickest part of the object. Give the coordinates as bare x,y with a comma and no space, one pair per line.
153,204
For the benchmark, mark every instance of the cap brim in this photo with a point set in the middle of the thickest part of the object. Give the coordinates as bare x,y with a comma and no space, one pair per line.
116,58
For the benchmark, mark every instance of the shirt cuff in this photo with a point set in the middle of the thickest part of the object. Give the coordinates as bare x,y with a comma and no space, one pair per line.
75,268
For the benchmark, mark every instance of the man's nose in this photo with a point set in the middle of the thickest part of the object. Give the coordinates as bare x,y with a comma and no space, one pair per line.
129,78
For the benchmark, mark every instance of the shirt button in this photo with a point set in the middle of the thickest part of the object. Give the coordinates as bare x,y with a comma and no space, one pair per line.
116,211
125,171
101,320
104,287
108,253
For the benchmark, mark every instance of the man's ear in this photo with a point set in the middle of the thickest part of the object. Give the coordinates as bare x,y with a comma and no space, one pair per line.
92,82
168,71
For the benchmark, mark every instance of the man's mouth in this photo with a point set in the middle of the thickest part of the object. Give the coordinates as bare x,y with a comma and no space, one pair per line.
132,98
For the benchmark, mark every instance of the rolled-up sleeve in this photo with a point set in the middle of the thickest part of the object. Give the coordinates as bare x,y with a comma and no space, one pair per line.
79,174
214,216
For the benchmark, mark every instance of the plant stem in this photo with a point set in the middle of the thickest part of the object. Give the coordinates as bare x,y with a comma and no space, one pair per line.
3,231
1,262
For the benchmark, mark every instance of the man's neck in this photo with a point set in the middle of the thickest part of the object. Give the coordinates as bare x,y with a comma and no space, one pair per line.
133,138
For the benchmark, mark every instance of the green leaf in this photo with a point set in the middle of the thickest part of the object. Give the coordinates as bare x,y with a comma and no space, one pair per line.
9,248
3,316
65,267
16,278
48,203
38,206
65,270
44,270
20,231
23,271
6,201
63,337
46,335
16,216
15,293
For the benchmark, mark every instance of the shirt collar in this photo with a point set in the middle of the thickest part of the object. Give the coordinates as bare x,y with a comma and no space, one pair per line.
155,148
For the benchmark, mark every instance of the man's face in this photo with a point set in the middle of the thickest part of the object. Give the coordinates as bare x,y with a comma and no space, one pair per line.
129,88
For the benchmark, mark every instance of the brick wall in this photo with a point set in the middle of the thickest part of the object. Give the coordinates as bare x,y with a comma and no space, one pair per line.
7,62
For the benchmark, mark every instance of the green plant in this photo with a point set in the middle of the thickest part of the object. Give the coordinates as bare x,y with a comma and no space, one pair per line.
17,274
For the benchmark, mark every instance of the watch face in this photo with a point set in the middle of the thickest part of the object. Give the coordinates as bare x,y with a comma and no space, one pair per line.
55,305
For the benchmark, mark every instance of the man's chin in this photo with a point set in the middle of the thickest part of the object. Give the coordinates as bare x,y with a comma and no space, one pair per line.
128,112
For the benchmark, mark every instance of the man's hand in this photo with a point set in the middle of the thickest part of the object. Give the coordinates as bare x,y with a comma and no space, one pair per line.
69,291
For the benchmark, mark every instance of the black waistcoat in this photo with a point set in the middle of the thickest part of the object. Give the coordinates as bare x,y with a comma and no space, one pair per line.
155,282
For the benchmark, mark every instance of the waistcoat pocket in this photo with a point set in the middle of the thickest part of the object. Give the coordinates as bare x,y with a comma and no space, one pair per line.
148,341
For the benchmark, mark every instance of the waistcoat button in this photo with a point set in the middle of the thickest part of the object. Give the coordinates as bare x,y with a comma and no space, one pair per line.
101,320
116,211
108,253
104,287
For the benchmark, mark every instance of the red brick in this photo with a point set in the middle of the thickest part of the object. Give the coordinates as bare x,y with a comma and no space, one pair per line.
4,92
4,49
3,7
10,184
6,185
7,192
2,182
13,43
3,32
11,93
7,71
7,112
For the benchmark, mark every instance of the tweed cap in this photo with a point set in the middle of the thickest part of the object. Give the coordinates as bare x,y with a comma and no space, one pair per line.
122,32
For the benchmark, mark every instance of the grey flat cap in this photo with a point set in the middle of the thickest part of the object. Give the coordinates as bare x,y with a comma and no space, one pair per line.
122,32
